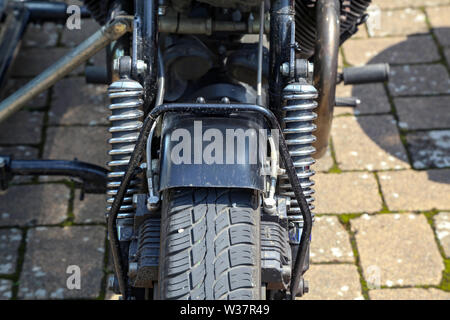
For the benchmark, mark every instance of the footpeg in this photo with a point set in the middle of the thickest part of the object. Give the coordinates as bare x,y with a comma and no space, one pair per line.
371,73
347,102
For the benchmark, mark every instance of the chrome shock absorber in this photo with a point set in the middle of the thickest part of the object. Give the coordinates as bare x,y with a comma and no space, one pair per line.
298,123
126,121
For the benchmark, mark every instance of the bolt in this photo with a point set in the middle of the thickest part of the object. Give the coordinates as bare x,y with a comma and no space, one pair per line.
284,69
201,100
152,203
119,28
141,66
162,10
143,165
225,100
269,205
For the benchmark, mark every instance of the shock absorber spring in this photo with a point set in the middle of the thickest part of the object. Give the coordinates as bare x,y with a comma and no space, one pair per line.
298,124
126,121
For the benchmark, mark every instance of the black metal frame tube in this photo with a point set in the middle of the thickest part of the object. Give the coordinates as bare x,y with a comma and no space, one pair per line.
145,47
222,109
93,176
282,20
260,56
50,10
325,69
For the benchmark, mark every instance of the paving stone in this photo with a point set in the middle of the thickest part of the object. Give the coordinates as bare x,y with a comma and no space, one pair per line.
397,22
333,282
416,190
419,80
389,4
349,192
110,264
9,245
330,241
409,294
72,38
88,144
323,164
429,149
5,289
391,254
373,99
22,127
50,253
23,153
423,112
14,84
369,142
440,23
91,209
43,35
20,152
447,55
442,225
396,50
76,102
34,204
32,61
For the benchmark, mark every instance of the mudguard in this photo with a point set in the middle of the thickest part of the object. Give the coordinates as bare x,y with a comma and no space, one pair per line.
213,151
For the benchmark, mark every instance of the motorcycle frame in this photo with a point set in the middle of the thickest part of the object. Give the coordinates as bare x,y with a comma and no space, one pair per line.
145,44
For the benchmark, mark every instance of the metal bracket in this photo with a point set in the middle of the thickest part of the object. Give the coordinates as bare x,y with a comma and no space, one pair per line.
100,39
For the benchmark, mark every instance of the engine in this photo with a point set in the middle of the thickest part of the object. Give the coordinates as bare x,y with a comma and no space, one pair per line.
351,15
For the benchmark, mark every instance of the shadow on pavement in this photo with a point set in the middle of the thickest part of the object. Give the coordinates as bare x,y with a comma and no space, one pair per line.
416,108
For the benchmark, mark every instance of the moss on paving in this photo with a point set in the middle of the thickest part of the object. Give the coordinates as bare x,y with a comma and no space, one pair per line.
345,220
335,168
384,208
104,280
445,281
19,264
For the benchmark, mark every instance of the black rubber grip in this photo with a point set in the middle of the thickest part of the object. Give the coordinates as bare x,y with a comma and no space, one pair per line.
371,73
97,75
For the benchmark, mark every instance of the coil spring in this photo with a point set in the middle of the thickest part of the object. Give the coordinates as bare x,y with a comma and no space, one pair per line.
298,127
126,121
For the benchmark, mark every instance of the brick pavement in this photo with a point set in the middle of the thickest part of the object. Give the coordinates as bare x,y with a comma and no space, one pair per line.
383,189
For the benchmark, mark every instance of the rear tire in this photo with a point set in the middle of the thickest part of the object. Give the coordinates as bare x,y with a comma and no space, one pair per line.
210,244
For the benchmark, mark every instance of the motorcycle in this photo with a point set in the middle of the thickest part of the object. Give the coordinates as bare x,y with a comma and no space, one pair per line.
219,110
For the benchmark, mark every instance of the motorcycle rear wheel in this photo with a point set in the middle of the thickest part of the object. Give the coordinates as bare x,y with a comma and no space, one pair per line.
210,244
